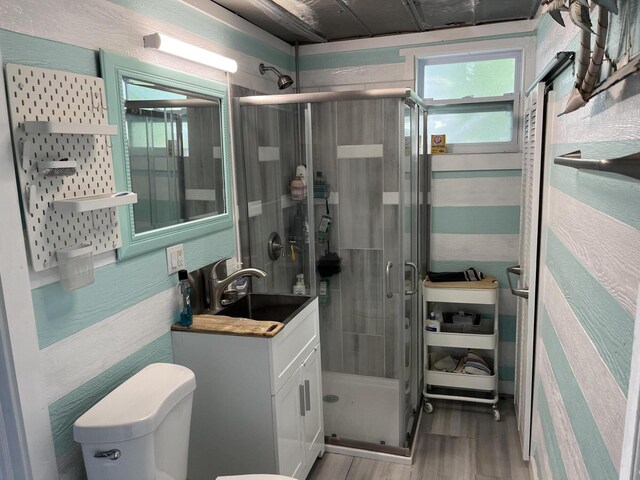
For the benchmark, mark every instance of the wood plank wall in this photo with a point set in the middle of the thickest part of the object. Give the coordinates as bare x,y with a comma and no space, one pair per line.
589,277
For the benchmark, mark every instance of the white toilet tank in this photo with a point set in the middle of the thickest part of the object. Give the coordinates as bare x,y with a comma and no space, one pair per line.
141,428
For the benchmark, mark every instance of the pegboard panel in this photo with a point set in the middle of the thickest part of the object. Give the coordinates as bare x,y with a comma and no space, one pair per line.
38,94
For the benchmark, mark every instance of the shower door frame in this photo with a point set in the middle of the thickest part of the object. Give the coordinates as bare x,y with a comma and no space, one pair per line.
413,398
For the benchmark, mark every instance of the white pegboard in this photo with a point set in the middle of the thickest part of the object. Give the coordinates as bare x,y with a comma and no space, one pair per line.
38,94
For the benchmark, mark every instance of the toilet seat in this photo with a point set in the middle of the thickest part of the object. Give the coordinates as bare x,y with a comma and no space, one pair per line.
258,476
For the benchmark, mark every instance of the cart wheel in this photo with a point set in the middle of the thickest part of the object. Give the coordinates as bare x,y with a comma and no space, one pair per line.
496,414
428,408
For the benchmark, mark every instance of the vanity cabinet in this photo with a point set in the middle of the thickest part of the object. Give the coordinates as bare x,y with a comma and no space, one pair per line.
297,410
257,406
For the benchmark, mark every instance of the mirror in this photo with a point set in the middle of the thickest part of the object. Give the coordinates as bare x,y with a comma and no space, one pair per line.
172,151
175,155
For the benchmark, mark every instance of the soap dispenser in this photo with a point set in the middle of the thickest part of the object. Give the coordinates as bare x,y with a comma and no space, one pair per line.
186,314
299,288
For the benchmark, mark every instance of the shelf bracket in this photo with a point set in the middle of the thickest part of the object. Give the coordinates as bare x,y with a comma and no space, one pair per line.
31,192
26,154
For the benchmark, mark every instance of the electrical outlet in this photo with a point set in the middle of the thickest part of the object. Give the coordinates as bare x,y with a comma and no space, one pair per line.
233,265
175,258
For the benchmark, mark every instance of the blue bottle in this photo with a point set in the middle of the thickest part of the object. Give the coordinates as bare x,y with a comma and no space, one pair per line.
186,314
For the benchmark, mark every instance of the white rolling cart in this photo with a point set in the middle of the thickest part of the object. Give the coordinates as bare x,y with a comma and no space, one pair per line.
484,292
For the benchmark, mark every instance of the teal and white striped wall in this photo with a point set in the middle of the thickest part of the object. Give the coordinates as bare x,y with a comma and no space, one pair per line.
589,279
476,222
94,338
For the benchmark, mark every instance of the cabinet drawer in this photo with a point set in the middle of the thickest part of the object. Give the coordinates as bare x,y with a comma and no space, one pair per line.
293,344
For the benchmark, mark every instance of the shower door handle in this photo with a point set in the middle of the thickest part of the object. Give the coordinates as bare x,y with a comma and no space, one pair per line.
387,278
414,278
518,292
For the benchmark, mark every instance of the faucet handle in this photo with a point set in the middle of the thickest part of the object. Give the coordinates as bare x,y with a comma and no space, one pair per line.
214,269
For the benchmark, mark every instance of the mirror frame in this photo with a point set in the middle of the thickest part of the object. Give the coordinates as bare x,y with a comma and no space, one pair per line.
114,69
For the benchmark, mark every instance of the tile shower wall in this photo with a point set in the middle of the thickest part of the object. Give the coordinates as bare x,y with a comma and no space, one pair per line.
93,339
590,276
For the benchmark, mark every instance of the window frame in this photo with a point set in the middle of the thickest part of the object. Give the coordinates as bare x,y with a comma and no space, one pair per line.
458,104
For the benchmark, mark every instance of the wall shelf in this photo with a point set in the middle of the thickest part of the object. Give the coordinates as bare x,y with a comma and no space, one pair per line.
70,128
94,202
63,159
628,166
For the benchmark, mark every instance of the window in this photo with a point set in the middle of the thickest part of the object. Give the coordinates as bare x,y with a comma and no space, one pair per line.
473,100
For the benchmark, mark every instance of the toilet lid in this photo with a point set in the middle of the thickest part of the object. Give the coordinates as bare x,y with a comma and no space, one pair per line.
257,476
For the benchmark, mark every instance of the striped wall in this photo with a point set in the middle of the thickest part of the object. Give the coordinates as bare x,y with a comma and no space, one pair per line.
589,277
475,222
92,339
475,197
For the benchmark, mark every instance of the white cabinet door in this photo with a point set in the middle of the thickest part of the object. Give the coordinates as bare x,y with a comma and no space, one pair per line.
288,408
313,427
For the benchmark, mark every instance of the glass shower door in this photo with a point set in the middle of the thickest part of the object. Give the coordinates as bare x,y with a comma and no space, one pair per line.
358,146
271,154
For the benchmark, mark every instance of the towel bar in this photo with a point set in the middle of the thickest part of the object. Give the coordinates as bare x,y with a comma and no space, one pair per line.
628,166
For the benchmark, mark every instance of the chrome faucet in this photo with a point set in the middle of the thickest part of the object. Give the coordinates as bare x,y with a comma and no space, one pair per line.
217,286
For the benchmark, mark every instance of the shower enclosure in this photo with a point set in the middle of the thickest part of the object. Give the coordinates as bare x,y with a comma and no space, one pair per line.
367,146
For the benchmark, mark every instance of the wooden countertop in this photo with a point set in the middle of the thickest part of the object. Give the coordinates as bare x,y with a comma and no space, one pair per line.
221,324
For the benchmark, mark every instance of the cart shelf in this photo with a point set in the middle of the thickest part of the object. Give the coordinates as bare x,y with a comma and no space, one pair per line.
476,341
484,292
461,380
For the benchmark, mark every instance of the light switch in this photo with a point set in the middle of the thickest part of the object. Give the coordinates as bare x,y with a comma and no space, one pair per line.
175,258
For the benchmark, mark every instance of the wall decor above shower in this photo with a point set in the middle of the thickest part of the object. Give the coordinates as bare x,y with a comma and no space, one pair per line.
63,159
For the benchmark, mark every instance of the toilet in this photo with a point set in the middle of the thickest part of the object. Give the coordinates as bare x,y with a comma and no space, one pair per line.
141,429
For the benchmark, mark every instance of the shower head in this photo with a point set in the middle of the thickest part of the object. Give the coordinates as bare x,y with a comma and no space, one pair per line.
284,81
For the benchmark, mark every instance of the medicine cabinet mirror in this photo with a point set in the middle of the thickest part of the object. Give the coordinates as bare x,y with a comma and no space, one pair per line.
173,151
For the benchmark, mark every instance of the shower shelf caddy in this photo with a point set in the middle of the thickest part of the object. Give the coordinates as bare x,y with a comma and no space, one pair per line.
484,292
61,134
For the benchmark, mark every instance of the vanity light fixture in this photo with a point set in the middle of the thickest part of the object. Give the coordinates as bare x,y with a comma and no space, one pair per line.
185,50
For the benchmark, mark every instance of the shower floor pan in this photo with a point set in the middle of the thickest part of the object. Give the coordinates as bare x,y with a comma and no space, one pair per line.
362,412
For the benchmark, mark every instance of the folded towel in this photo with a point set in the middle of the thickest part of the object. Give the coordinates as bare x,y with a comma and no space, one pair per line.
469,275
446,364
474,364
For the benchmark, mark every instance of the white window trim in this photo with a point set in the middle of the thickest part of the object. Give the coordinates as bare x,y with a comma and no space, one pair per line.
515,98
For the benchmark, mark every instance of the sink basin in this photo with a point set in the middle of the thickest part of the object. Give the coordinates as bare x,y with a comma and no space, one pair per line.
266,306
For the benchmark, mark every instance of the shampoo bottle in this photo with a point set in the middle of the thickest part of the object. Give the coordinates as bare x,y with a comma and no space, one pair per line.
298,189
299,288
432,324
301,173
323,291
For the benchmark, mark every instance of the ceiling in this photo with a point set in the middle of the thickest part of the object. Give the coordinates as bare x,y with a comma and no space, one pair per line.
315,21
